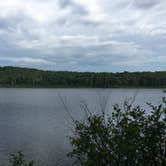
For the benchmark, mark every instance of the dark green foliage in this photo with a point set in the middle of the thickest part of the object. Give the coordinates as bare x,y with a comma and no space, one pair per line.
18,159
126,137
23,77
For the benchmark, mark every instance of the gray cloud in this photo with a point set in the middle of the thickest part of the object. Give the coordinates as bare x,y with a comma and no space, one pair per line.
76,8
146,3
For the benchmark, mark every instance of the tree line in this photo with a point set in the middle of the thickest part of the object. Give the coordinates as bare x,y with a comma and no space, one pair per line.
24,77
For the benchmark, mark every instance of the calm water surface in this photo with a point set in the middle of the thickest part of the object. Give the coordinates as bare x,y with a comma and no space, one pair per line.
35,121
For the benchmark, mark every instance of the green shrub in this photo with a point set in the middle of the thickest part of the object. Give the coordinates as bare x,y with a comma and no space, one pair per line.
129,136
18,159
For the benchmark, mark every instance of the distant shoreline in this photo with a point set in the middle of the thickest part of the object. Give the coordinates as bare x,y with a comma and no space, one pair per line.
16,77
139,88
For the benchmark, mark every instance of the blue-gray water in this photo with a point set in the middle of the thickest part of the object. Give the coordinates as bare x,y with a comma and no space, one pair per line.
35,121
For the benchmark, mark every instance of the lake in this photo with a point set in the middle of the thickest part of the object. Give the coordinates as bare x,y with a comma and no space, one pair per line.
36,121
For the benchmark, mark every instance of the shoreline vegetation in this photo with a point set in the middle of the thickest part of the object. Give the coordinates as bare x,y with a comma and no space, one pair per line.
16,77
121,136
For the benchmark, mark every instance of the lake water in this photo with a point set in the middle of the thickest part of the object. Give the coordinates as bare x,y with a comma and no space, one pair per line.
36,122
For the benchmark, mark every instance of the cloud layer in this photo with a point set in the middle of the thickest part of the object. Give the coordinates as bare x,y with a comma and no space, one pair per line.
84,35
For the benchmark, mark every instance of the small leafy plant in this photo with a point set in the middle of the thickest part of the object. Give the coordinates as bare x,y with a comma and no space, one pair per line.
18,159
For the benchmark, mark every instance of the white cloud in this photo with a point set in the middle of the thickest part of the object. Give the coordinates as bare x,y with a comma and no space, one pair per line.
26,60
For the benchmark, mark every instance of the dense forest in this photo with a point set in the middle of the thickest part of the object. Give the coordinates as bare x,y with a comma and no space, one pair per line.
24,77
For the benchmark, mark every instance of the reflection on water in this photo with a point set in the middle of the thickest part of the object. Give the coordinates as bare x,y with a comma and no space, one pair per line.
35,121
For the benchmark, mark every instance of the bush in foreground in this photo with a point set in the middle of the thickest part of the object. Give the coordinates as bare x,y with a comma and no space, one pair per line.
18,159
127,137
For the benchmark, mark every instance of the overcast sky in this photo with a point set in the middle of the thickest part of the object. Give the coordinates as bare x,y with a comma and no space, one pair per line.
84,35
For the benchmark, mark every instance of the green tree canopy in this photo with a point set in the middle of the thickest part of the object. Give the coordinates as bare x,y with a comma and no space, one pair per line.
24,77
